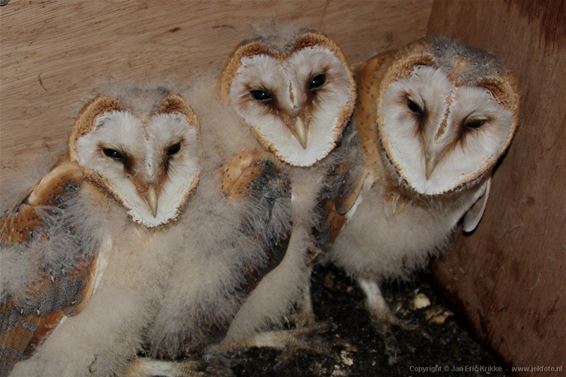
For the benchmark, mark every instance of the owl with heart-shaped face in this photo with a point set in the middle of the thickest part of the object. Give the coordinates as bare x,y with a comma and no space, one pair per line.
82,254
294,93
432,121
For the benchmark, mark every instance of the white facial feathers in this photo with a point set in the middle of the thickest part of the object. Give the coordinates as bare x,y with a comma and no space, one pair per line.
297,104
149,164
439,136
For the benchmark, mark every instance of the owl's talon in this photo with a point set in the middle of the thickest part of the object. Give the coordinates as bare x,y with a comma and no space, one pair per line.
384,321
304,339
405,325
188,368
304,318
313,345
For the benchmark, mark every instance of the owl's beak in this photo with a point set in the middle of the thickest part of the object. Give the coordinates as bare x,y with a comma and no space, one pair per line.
430,164
301,132
151,199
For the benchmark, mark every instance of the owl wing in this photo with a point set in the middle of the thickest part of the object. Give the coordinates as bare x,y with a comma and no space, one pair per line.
240,171
44,274
344,181
258,177
473,216
271,225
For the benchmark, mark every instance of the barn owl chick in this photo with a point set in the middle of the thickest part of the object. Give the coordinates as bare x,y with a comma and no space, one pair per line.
294,92
83,254
432,120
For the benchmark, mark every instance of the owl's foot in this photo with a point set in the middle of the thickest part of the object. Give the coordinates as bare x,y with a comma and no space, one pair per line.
383,320
313,344
240,171
299,339
145,367
304,317
382,317
293,343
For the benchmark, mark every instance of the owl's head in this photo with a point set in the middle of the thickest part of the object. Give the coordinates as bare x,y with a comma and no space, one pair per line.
295,92
446,113
142,149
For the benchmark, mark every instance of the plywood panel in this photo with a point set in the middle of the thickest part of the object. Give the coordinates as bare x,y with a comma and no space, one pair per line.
52,53
510,274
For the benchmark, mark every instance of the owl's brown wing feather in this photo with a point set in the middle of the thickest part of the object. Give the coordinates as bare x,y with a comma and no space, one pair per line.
257,175
272,185
43,297
239,172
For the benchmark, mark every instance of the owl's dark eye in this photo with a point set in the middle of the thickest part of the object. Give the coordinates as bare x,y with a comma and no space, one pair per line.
317,82
415,107
113,153
475,122
261,95
173,149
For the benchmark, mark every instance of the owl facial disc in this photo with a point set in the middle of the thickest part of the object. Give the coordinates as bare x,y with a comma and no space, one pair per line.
149,163
296,99
442,128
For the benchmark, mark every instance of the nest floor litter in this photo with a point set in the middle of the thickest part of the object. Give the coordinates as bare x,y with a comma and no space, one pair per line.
440,346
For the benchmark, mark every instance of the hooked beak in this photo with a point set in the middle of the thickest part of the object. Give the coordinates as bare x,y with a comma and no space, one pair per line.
430,164
151,199
300,132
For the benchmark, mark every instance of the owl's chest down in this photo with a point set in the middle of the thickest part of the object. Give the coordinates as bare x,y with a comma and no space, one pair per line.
388,234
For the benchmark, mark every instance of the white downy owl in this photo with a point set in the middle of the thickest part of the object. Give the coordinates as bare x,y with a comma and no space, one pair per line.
431,122
295,93
82,256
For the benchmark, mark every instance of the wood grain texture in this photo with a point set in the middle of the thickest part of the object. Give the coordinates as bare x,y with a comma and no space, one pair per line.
53,53
509,276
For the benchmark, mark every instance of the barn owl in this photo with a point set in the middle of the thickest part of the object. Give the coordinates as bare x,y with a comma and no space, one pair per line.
294,92
432,120
82,256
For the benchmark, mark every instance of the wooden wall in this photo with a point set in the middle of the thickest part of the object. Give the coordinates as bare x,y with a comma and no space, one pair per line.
510,275
53,52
